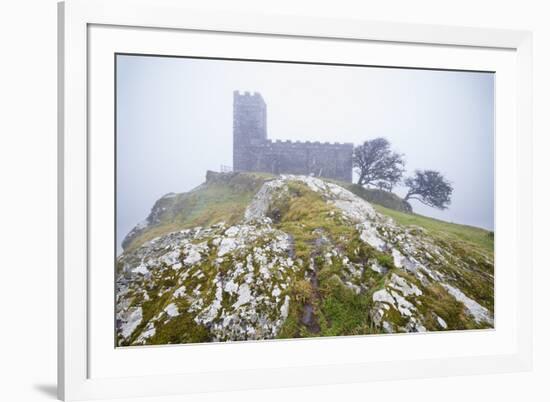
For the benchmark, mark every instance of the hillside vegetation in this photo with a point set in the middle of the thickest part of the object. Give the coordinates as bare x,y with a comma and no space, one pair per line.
223,197
253,256
472,236
379,197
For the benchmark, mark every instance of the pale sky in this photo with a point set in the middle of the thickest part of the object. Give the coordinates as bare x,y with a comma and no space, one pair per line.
174,122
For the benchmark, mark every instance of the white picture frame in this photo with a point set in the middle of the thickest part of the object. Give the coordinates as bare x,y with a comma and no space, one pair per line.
78,377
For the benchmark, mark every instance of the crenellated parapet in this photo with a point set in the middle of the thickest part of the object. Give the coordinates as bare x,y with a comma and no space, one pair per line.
311,144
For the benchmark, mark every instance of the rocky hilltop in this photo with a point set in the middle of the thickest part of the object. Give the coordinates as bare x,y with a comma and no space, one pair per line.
250,256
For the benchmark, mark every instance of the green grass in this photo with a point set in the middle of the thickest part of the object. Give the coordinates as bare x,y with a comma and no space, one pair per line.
468,242
225,198
301,213
380,197
393,206
307,217
436,300
447,231
343,311
219,200
181,329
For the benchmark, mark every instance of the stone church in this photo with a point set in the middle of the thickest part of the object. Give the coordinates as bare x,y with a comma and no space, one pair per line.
254,152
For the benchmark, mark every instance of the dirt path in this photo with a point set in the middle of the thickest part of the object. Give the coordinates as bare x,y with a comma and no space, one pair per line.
309,319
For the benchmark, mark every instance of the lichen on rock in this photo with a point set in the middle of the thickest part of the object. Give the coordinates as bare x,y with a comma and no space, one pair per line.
306,257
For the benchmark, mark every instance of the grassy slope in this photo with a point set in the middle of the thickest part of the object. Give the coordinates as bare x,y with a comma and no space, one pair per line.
478,238
471,242
337,310
380,197
391,205
223,198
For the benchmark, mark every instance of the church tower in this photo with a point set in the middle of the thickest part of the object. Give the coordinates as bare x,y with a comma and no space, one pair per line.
249,128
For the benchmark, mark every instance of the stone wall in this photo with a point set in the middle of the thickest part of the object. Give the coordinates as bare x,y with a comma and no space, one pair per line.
252,151
307,158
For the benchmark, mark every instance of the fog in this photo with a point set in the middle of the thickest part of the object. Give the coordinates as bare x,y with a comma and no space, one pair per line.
174,122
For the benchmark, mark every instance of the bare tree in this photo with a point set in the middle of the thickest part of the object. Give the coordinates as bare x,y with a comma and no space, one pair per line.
430,188
377,164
